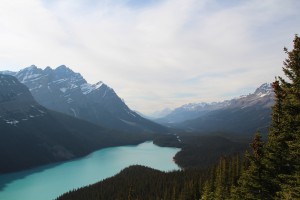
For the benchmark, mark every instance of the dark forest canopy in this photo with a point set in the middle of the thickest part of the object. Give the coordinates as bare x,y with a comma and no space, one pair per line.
271,170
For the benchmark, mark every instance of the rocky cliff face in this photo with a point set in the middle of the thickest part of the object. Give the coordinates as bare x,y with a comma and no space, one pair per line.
68,92
31,135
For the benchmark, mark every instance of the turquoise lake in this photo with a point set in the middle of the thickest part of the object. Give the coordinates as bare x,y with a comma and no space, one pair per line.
48,182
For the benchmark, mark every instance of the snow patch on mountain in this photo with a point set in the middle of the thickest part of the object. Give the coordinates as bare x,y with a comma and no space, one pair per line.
73,86
97,85
12,122
60,80
66,91
62,77
263,97
195,106
63,89
74,112
69,100
88,88
261,92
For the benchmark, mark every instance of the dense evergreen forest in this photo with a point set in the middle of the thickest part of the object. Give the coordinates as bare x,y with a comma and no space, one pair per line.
202,151
270,170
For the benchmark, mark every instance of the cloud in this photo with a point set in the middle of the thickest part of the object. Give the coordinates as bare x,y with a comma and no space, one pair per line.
155,54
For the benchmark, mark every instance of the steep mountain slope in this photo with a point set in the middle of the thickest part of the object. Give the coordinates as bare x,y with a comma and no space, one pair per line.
263,97
246,114
65,91
31,135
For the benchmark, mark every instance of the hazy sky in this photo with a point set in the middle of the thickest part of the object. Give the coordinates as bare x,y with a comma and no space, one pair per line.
153,53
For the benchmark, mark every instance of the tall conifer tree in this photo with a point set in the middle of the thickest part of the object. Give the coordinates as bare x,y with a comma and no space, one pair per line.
253,183
282,152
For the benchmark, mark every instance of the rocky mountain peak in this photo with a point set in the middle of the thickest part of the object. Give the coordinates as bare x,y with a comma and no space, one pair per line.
262,97
63,70
66,91
11,89
194,106
30,68
264,89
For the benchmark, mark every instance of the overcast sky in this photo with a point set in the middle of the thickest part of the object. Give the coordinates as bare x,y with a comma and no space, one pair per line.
153,53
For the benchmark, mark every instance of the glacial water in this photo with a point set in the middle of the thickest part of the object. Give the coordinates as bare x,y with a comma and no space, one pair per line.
48,182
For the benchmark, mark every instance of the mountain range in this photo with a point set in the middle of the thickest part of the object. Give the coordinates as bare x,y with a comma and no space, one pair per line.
66,91
50,115
245,114
32,135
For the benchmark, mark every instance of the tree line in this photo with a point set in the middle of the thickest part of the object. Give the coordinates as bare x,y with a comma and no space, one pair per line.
270,170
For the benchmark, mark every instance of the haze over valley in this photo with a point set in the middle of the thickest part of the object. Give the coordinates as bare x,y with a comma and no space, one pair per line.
149,99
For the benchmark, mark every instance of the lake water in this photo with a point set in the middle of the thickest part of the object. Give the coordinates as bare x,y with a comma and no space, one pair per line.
48,182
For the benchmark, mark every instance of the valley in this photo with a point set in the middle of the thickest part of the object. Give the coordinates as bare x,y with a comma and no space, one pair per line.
32,135
242,115
149,100
75,135
269,169
64,176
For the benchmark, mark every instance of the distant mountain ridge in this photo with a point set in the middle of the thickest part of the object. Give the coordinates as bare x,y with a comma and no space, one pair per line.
31,135
161,113
68,92
247,113
262,95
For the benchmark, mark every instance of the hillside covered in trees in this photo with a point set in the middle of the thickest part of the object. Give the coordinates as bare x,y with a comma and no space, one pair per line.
271,170
202,151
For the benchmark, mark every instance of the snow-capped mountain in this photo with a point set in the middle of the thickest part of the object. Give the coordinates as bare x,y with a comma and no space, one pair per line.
263,96
245,114
68,92
31,135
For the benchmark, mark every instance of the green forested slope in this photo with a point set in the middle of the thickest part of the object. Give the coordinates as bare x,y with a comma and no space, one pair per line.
271,170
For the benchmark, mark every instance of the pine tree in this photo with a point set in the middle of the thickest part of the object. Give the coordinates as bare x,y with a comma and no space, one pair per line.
290,131
253,183
219,182
207,193
282,152
277,148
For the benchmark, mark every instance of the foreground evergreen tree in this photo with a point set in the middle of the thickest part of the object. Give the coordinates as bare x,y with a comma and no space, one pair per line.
270,171
223,179
274,169
283,156
254,182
